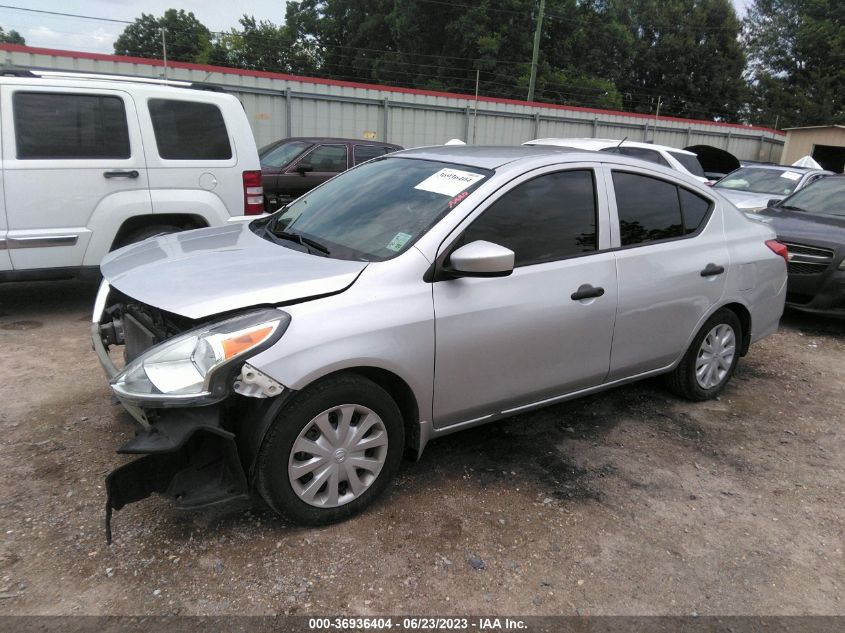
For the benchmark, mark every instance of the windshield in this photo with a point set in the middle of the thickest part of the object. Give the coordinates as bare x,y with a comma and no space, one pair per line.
281,155
779,182
689,162
825,196
377,210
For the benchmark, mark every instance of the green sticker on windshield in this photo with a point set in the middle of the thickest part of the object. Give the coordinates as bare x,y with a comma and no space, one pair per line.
399,240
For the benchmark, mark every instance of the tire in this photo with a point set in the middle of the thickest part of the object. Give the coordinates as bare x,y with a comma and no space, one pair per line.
313,421
147,232
685,381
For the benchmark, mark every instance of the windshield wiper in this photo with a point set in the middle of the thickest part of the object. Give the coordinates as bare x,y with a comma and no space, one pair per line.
307,242
790,207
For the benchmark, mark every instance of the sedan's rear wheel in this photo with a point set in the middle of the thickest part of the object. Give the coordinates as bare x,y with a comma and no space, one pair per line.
331,451
710,360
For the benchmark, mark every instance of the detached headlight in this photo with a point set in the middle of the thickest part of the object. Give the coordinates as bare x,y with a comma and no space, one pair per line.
194,367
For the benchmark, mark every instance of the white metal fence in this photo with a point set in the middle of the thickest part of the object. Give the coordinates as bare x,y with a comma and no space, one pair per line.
282,105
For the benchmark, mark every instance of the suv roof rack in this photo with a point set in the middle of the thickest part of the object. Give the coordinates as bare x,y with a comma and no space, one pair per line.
64,74
16,72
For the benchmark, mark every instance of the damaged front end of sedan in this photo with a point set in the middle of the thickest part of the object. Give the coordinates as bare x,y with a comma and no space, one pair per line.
189,387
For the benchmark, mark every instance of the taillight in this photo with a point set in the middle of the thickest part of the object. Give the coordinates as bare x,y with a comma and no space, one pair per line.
778,249
253,193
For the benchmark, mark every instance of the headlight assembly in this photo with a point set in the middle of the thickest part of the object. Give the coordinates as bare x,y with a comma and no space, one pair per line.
196,367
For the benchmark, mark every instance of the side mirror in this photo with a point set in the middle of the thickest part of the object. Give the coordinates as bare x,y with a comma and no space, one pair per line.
481,259
304,168
774,202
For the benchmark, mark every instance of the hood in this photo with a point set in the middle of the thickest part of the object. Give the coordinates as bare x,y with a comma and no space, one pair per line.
208,271
747,199
798,226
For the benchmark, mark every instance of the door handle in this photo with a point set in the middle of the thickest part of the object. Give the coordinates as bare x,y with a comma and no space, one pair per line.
119,173
711,270
586,291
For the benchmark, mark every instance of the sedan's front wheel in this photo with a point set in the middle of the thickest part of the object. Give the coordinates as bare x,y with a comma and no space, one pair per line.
331,451
710,360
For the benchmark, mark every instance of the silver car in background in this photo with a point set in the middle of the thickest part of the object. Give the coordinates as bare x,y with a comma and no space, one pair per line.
418,294
754,187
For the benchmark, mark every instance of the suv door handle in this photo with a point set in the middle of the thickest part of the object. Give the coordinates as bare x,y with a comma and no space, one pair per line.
711,270
586,291
119,173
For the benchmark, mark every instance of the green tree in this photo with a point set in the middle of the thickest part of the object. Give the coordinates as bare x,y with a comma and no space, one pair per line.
12,37
797,61
187,38
686,53
261,45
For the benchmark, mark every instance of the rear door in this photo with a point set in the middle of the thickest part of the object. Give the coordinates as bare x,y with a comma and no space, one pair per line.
671,262
191,151
66,153
507,342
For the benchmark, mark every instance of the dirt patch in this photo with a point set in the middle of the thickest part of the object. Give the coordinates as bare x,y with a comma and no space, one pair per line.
626,502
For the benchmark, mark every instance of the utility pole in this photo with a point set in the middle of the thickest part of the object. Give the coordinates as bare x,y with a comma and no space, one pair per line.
656,114
536,52
475,114
164,51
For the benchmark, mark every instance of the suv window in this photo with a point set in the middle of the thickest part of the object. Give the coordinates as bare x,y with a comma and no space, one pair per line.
327,158
651,155
651,209
62,125
690,163
545,219
364,153
189,130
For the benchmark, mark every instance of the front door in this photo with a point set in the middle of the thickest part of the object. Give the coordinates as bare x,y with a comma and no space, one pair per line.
66,153
507,342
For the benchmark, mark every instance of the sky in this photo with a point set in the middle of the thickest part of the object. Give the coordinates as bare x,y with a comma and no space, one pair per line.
97,36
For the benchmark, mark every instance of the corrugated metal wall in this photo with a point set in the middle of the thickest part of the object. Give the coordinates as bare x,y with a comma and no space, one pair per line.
280,105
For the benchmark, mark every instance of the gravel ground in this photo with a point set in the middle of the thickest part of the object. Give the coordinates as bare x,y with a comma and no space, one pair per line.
626,502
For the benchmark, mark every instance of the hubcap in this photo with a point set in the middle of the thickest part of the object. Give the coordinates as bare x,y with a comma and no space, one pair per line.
338,455
715,356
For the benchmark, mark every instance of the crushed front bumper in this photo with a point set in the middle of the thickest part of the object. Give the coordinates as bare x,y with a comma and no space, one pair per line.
188,456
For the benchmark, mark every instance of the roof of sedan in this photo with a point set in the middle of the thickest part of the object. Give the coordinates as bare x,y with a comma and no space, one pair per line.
484,156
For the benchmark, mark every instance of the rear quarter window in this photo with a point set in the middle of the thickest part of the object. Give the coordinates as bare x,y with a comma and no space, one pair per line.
189,130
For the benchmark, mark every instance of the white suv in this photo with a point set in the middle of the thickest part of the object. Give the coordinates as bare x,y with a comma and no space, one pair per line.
680,160
90,164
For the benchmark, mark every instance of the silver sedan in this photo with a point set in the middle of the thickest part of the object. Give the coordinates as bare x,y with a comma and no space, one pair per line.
302,354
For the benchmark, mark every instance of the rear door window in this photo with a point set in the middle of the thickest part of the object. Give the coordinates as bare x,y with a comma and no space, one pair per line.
651,209
548,218
189,130
363,153
76,126
648,208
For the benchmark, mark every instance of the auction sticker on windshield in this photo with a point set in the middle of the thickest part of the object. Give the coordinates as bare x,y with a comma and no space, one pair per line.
790,175
449,182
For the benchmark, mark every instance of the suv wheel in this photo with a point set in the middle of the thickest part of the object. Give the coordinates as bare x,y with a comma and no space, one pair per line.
710,360
331,451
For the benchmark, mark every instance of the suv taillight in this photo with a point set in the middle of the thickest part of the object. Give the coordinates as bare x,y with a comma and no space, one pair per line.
778,249
253,193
